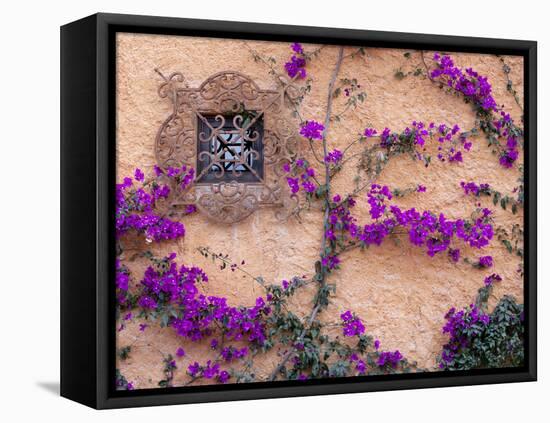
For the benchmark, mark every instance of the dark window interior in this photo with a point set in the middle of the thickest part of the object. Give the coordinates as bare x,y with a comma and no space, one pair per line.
240,158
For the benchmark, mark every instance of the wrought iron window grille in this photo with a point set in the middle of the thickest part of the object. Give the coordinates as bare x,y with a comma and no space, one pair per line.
237,136
230,147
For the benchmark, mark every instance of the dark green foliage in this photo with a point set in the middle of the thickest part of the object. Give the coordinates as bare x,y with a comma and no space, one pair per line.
496,345
124,352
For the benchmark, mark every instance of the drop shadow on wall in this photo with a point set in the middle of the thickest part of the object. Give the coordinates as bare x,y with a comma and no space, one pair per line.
50,387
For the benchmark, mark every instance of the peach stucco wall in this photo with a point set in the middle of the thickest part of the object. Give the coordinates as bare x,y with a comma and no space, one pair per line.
399,292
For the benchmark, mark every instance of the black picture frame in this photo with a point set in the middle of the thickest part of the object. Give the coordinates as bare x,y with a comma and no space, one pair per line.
87,202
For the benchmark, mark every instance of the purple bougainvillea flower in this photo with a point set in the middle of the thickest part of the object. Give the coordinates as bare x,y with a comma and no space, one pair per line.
180,352
508,158
158,171
147,302
486,261
370,132
138,175
388,357
312,130
194,369
489,280
223,377
456,157
127,182
293,184
346,316
296,67
334,157
330,262
352,325
210,370
190,209
297,48
308,186
454,254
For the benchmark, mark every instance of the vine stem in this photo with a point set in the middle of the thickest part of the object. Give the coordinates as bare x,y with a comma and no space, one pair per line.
426,66
317,306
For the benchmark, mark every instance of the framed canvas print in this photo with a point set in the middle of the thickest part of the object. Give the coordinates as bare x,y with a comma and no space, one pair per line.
254,211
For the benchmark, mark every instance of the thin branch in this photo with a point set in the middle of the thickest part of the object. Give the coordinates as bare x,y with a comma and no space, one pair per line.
206,250
317,306
426,66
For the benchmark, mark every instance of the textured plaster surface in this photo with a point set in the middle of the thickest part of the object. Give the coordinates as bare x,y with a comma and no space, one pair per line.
401,293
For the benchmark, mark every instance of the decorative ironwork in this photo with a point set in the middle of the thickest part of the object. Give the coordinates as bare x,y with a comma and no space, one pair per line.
229,151
237,137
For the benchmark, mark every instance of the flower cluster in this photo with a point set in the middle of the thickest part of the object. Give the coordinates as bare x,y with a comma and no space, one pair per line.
122,276
330,262
370,132
121,384
477,89
124,299
436,231
303,175
478,340
312,130
352,324
134,207
169,283
210,370
334,157
475,189
232,353
489,280
389,358
428,229
454,254
360,365
469,83
199,315
183,176
424,228
462,326
416,135
376,197
295,67
486,261
506,128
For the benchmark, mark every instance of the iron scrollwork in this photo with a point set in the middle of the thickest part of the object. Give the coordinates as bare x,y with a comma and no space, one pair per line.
238,138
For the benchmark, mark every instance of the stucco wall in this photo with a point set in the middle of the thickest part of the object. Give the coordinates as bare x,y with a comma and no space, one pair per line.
399,292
